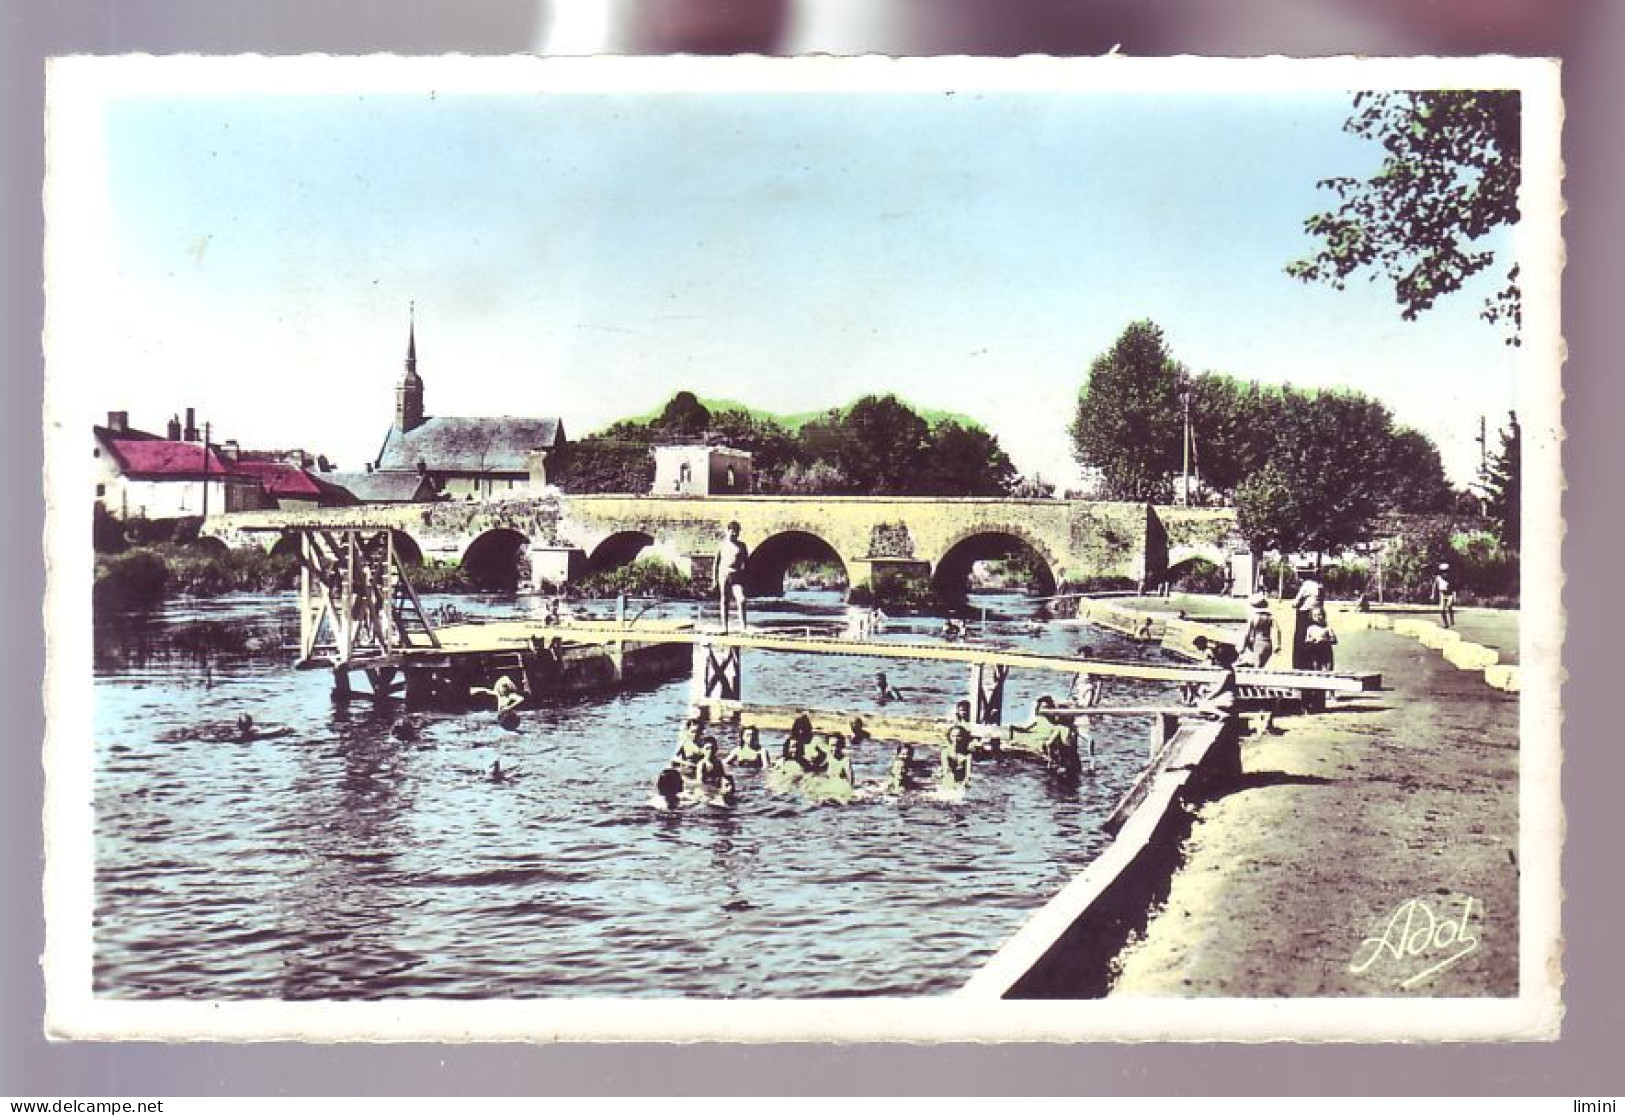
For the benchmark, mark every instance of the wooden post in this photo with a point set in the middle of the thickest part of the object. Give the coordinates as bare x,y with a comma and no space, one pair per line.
987,692
718,673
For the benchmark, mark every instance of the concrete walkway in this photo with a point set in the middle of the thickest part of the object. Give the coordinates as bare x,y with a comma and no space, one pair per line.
1291,881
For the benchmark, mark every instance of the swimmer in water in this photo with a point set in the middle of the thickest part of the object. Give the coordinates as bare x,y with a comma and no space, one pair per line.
858,732
690,750
815,759
898,778
669,786
498,774
885,691
507,693
956,759
245,726
710,770
749,753
840,763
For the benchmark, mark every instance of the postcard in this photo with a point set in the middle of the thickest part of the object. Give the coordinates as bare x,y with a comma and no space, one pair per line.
756,549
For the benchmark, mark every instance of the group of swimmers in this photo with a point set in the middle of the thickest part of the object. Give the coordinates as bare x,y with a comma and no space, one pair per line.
822,761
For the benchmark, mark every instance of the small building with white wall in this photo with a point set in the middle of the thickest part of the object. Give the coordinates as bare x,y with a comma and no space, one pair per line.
701,470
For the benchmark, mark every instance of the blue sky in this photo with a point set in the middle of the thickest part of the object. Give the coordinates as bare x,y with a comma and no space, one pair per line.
585,255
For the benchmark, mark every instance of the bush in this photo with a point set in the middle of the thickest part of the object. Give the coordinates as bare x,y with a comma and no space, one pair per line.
894,589
1197,575
131,580
647,576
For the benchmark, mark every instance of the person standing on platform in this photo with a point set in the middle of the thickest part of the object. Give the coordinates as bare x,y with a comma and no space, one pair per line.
731,558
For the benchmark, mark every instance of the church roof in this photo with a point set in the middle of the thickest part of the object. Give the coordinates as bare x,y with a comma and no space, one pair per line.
469,445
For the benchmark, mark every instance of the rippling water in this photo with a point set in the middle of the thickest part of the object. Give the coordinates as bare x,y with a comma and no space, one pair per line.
341,862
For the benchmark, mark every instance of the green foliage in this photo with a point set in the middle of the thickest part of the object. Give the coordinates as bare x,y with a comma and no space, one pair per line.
1482,568
684,416
1197,575
1128,423
881,445
603,463
1504,488
818,478
438,576
647,576
107,533
894,588
1413,474
1267,510
964,461
135,579
1449,178
144,575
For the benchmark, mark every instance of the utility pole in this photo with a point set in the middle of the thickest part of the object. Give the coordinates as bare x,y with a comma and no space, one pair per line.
1185,440
205,470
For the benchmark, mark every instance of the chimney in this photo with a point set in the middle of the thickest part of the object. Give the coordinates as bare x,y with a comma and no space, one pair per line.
229,450
174,427
118,421
536,465
190,433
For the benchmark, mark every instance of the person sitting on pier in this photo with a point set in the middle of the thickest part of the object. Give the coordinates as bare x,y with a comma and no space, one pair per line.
885,691
956,759
953,630
749,752
1040,720
1218,698
898,778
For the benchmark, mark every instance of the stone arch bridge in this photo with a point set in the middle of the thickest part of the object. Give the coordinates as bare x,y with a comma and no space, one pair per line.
553,538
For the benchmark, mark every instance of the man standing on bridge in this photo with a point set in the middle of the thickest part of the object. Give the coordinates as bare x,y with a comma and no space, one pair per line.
731,558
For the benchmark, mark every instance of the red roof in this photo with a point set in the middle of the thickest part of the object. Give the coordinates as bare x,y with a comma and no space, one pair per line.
167,458
278,479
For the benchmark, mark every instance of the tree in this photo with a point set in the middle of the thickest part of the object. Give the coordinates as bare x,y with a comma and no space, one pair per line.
1232,424
1450,177
880,445
964,461
1267,512
683,416
1414,474
772,448
1504,502
1128,423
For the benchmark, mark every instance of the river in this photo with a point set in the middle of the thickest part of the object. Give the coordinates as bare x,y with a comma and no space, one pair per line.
340,862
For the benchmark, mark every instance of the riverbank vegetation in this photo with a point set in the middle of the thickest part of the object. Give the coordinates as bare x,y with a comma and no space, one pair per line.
877,445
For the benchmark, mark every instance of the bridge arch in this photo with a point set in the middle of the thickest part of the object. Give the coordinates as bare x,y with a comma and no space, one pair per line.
951,576
773,557
496,560
618,549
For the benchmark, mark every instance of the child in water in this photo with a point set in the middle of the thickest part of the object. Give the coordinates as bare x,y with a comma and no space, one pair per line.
898,780
840,763
956,759
885,691
669,786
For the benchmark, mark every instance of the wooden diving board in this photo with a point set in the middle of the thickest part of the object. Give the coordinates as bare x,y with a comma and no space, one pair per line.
1297,680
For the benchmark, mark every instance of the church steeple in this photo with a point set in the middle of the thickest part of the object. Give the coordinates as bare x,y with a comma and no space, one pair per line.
409,395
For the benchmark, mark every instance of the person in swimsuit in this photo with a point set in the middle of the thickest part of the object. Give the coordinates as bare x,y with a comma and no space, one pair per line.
956,759
1444,591
749,753
840,763
732,556
898,779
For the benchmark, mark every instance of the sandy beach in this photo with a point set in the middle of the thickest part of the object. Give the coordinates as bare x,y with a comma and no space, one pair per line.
1370,850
